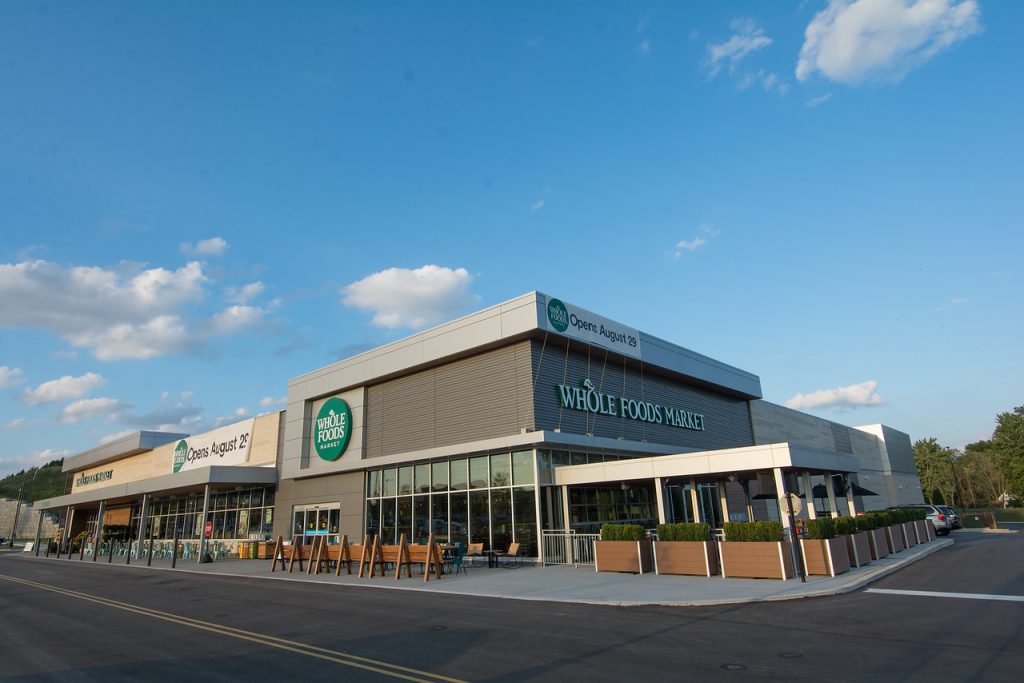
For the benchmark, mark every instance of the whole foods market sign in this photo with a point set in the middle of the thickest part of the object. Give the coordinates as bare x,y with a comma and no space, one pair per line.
225,446
587,398
332,429
87,479
591,328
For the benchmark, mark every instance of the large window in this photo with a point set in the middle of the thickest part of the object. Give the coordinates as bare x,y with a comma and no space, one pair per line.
233,515
489,499
310,521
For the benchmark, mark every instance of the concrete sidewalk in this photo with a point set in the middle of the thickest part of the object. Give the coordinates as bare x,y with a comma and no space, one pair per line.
557,583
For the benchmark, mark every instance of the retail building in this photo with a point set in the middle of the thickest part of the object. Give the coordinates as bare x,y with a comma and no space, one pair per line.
533,415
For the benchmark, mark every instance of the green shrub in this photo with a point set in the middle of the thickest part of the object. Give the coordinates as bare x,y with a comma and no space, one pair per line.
622,532
881,517
684,531
866,522
845,526
822,528
753,531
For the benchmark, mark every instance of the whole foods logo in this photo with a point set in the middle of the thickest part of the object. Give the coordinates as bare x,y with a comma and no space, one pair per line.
333,429
558,315
180,455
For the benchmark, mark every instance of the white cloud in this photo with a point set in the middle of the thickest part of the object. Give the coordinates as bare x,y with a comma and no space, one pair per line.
855,395
234,318
689,245
644,47
64,388
747,39
242,295
17,423
881,40
9,376
767,80
128,312
819,100
268,401
537,205
958,300
89,408
215,246
65,354
400,297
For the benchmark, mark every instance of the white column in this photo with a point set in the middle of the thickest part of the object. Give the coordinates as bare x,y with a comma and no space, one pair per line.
143,513
202,523
98,537
808,495
831,489
780,492
723,500
659,494
694,502
849,495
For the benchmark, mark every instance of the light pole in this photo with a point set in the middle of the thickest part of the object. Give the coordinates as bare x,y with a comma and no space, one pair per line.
17,509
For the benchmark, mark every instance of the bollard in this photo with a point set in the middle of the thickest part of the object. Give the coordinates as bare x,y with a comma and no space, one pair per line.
110,553
81,551
174,550
48,541
128,555
149,561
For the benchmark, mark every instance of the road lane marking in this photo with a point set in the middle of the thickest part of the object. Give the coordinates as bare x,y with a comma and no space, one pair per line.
377,666
936,594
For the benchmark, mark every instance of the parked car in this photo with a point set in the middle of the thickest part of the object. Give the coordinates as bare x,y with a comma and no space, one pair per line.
952,516
937,516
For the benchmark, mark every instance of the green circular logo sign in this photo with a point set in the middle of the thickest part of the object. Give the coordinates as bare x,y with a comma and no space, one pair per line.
333,429
558,316
180,455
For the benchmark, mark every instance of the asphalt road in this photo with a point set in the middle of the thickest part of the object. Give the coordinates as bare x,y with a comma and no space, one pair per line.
69,621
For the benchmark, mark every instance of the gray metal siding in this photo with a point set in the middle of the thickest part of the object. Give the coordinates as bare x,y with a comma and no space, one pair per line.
727,419
841,434
481,397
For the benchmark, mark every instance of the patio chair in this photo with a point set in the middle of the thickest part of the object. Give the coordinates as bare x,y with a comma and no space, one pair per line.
455,559
473,551
510,558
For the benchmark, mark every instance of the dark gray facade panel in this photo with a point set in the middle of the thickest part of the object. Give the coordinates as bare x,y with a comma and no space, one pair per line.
346,489
480,397
841,434
727,419
900,450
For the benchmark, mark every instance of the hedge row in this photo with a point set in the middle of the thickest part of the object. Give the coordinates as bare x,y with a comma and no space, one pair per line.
684,531
622,532
753,531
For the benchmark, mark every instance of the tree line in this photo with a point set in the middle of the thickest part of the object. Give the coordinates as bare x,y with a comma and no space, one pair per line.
979,475
35,483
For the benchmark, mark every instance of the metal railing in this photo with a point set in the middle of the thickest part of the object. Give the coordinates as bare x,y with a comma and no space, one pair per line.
568,547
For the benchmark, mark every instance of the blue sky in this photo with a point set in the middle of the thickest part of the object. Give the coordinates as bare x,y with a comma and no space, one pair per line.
199,201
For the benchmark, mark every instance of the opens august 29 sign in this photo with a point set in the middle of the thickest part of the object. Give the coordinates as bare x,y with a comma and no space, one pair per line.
333,429
225,446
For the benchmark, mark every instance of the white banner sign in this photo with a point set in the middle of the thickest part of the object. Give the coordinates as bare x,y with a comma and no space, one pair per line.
581,324
225,446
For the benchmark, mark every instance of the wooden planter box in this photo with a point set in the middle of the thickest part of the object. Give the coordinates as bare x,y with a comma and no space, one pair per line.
909,534
878,540
622,556
756,559
858,548
894,534
922,530
692,558
824,557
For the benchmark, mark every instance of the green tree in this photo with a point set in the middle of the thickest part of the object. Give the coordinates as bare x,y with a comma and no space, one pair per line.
1008,445
935,467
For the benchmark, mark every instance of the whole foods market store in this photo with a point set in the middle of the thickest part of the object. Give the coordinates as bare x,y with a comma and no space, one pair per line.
536,415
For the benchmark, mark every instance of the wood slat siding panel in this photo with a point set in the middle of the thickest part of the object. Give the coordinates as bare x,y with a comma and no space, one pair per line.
727,420
474,398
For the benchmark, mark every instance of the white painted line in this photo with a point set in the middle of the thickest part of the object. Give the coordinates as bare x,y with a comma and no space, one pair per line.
935,594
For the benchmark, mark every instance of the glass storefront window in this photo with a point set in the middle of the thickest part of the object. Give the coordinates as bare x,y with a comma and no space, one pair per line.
421,519
439,476
439,516
422,478
478,473
373,483
404,481
522,468
460,517
479,518
460,477
501,471
404,519
390,482
501,518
